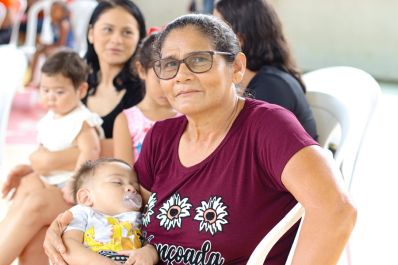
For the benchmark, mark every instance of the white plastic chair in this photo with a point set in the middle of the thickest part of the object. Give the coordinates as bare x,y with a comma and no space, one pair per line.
10,81
31,31
359,92
341,98
3,12
81,11
15,28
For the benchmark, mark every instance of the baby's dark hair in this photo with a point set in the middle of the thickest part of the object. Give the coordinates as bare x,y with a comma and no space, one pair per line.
69,64
88,169
146,52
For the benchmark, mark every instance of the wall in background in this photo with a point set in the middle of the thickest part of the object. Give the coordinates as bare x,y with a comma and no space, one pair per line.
360,33
159,12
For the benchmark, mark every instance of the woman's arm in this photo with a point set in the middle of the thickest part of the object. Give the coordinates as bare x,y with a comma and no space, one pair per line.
77,253
64,28
122,143
53,244
330,216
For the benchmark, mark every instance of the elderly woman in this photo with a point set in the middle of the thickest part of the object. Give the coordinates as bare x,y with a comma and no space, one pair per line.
219,178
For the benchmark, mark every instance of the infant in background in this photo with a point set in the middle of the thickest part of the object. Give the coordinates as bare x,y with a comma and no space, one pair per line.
68,122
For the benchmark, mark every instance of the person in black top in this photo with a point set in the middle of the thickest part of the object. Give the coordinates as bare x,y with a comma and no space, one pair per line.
115,29
271,72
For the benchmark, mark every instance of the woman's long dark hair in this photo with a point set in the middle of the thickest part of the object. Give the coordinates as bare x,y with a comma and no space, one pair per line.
257,24
125,78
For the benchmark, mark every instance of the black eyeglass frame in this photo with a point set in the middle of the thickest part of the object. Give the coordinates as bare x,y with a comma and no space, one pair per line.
212,53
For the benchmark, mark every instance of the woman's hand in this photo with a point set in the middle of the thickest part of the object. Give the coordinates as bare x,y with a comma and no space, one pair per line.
67,192
53,245
147,255
14,178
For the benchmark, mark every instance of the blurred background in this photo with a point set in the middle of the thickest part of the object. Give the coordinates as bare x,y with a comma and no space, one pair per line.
358,33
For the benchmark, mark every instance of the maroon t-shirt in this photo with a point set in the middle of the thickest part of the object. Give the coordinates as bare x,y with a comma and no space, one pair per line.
218,210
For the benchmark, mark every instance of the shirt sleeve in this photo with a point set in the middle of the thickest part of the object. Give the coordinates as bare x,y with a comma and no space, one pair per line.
280,142
80,218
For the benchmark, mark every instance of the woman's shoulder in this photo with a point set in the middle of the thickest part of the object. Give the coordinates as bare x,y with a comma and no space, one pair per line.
171,123
273,75
265,113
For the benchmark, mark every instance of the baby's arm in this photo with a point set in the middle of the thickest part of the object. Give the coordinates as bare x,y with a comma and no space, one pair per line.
64,29
122,144
147,255
89,146
77,253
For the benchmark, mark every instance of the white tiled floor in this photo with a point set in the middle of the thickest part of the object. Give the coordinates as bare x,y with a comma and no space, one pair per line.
374,187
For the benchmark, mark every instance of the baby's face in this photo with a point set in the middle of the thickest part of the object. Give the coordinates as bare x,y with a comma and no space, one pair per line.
58,94
109,187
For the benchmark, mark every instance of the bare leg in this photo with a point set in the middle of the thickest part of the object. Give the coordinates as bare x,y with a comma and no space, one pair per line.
28,214
34,252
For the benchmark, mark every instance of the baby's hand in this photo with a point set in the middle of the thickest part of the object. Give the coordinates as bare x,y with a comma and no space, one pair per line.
146,255
67,193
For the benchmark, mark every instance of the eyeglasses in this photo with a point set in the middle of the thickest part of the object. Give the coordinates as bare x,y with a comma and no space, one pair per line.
196,62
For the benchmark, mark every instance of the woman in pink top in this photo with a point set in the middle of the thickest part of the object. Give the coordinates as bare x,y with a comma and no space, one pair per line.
132,124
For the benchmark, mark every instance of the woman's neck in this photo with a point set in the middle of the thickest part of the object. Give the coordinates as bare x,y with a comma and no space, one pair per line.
247,77
154,111
107,74
210,128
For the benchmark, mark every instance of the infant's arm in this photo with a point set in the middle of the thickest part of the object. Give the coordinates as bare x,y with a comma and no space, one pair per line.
89,145
147,255
77,253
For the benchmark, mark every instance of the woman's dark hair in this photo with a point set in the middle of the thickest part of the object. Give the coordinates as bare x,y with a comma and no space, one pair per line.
219,33
125,78
67,63
259,27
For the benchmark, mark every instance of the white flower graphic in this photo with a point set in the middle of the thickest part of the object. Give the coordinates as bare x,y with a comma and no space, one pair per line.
211,215
148,210
172,211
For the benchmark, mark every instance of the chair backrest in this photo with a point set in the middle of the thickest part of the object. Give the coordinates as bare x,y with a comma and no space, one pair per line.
330,114
343,99
263,248
9,83
31,31
81,11
359,92
3,12
15,28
